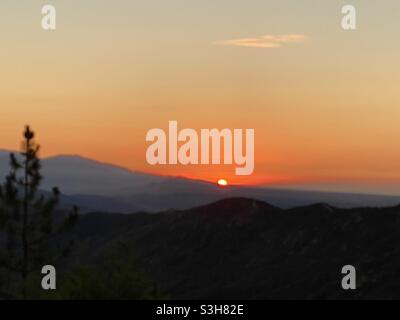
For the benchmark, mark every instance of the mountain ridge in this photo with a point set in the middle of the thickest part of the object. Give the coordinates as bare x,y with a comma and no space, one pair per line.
94,185
295,253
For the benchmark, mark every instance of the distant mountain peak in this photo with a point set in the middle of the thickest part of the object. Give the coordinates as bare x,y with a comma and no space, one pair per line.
239,210
77,157
4,152
79,160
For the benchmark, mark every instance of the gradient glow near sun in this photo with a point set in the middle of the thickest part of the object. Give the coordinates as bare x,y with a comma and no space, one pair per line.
222,182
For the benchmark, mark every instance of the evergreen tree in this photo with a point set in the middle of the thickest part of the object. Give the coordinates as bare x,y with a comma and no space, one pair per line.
26,215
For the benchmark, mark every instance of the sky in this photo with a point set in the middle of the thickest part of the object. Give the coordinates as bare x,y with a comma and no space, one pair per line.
324,102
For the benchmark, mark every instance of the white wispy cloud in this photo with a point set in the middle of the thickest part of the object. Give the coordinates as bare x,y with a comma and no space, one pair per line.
266,41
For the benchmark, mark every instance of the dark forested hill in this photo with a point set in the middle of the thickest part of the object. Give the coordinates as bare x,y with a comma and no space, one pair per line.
242,248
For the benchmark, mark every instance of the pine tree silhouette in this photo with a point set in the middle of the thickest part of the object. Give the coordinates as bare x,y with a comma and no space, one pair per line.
26,215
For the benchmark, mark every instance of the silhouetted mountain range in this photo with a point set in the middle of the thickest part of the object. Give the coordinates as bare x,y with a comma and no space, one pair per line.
98,186
247,249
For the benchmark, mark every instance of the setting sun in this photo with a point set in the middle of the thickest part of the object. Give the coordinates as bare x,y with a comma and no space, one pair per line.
222,182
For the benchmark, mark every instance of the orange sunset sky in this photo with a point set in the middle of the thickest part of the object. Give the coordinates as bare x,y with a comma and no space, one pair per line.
324,102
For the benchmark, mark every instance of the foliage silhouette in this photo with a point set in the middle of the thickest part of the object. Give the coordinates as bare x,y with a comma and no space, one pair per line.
115,276
27,217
